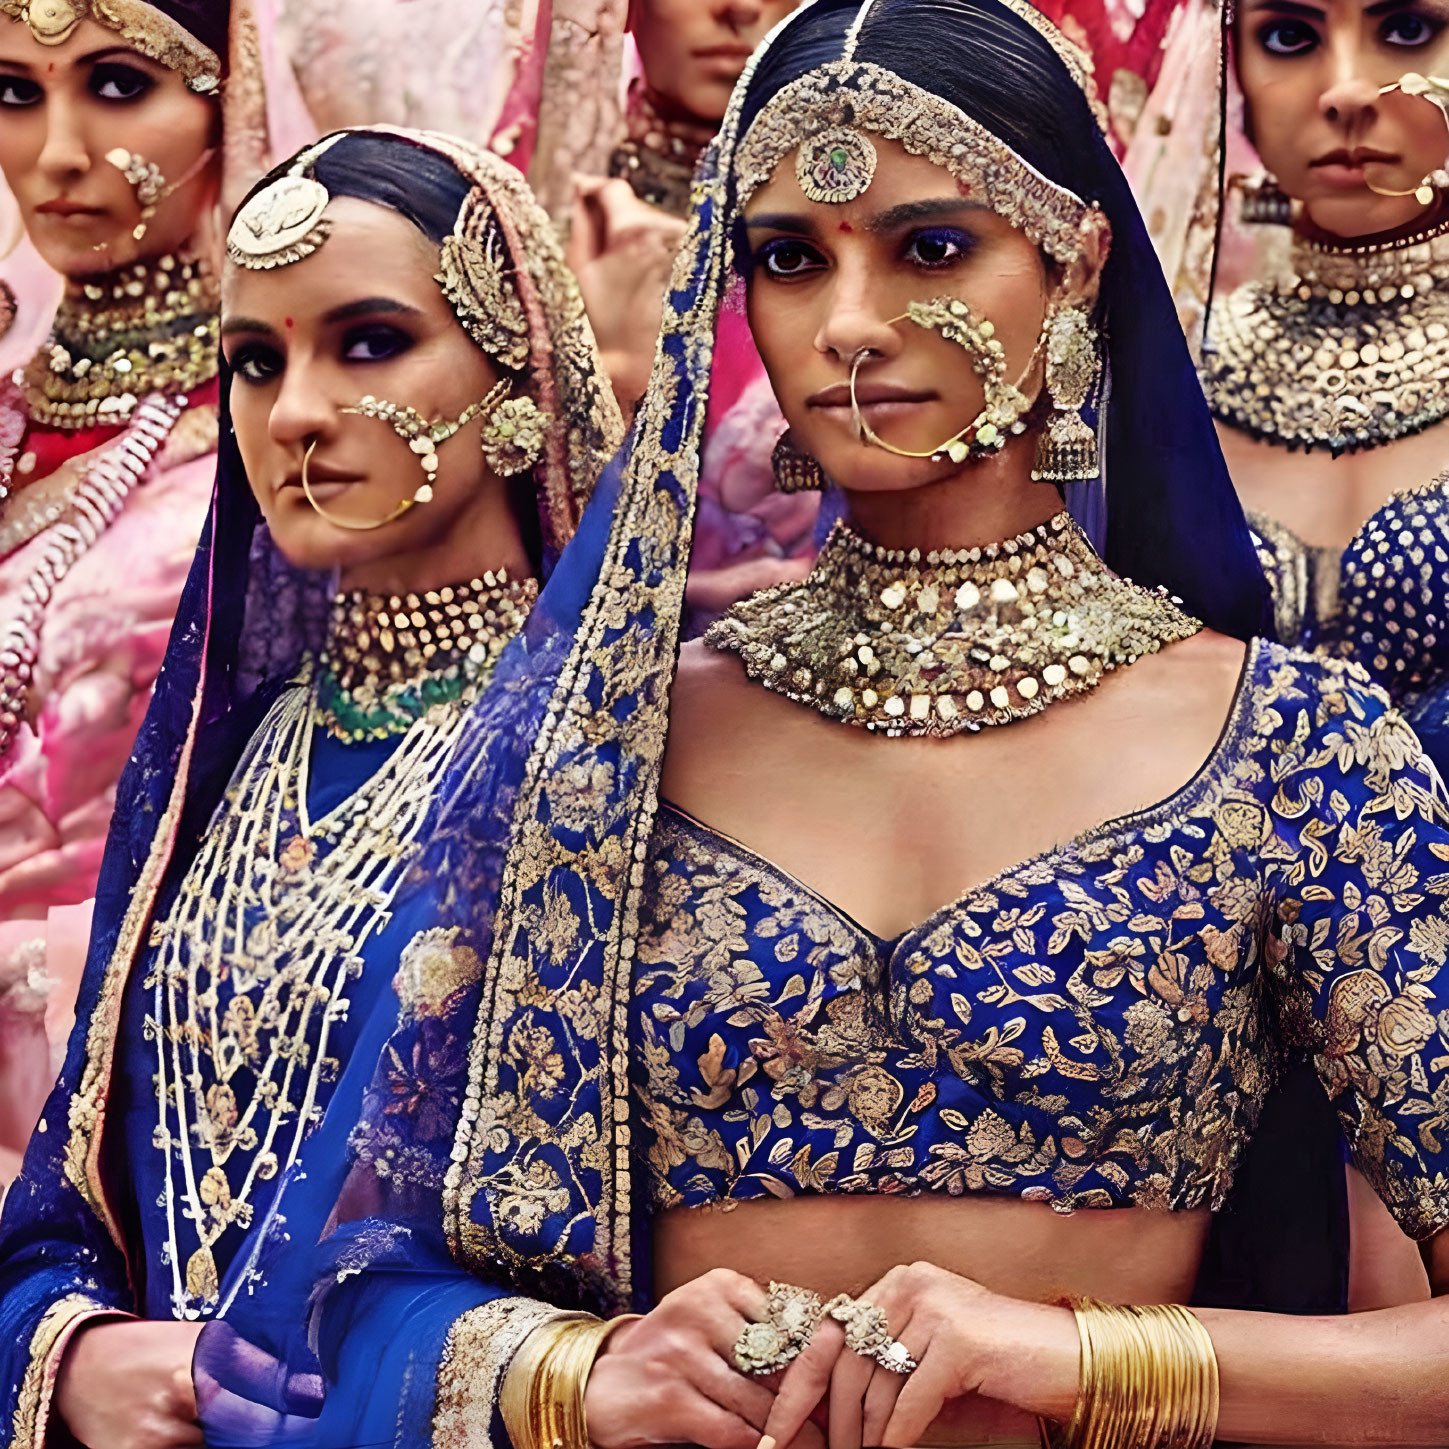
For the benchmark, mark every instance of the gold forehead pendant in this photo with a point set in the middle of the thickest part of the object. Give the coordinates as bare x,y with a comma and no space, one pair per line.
51,21
283,223
836,166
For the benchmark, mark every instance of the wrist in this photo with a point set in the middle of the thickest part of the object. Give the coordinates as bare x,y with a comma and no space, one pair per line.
1032,1358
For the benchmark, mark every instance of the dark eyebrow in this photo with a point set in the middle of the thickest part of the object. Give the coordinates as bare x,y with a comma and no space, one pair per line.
369,306
1383,7
245,324
108,52
887,220
780,221
1291,7
909,211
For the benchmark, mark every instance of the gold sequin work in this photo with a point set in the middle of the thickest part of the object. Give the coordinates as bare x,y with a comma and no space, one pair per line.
934,644
1351,351
1094,1027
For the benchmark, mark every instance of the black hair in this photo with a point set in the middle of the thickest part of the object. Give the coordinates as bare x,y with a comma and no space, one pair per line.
987,62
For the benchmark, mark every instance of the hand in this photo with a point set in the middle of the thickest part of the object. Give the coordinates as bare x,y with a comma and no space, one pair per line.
670,1378
964,1338
622,252
127,1385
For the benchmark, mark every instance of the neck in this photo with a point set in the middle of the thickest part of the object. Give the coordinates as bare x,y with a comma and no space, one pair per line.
456,558
145,328
984,502
1388,220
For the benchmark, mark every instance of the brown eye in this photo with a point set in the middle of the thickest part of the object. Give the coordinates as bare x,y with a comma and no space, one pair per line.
786,257
16,91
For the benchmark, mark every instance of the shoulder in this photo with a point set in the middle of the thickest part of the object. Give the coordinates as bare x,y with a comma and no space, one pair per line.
1327,717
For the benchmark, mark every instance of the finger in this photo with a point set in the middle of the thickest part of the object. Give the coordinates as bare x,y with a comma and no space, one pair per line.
701,1421
731,1390
805,1383
848,1382
920,1400
880,1401
183,1394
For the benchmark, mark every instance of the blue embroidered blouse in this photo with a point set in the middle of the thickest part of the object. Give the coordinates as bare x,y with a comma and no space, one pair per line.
1095,1027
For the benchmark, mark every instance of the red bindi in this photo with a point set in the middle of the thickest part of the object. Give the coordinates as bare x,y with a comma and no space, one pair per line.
289,322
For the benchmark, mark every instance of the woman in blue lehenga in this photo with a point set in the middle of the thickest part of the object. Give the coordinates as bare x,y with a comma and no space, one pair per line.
627,1042
414,420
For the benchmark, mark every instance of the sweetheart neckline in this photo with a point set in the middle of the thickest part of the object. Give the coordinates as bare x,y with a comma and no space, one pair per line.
1234,725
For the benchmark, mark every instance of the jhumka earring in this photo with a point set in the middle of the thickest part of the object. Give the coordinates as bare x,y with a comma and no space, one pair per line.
1067,451
1263,201
796,472
1005,402
514,433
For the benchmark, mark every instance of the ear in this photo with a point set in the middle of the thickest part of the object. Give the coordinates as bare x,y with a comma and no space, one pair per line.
1082,280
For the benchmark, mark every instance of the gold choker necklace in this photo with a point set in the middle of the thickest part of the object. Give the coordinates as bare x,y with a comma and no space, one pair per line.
150,328
658,156
390,659
952,641
1350,352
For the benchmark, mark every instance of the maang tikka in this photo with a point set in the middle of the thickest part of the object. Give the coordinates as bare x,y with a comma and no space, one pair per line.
1067,449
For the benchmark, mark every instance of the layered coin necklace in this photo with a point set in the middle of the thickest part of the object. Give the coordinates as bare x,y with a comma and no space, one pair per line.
937,643
253,964
1350,351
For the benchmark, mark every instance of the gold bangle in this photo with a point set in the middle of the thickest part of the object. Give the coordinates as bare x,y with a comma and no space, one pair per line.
517,1394
542,1399
1149,1379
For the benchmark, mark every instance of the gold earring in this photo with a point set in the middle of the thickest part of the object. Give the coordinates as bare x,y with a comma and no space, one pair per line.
796,472
1067,450
1263,201
514,432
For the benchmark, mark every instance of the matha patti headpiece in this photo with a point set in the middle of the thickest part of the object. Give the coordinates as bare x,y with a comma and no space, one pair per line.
847,98
149,29
836,166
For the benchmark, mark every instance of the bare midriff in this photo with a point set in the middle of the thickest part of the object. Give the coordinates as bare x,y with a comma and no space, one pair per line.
844,1244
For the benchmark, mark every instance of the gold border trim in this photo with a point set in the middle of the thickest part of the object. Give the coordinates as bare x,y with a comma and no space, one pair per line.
47,1347
480,1346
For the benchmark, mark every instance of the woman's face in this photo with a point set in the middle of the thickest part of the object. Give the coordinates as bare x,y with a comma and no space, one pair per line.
62,109
362,316
694,50
828,281
1311,75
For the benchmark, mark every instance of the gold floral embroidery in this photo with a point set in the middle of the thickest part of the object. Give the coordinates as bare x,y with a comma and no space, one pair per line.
1089,1028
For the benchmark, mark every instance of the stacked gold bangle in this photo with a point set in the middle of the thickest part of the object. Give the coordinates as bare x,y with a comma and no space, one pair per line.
1149,1379
542,1400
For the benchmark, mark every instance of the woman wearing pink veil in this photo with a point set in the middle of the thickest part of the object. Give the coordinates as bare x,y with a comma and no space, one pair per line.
117,130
